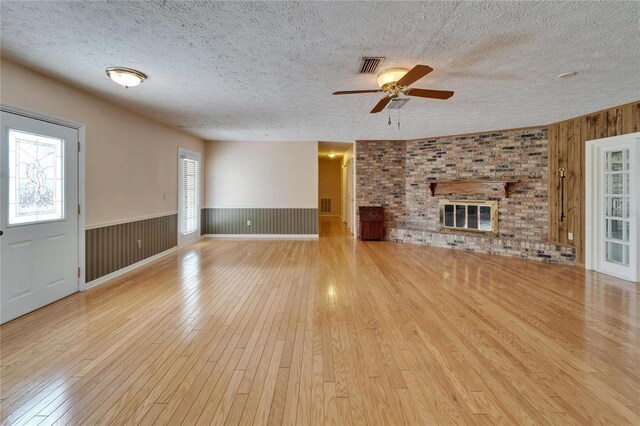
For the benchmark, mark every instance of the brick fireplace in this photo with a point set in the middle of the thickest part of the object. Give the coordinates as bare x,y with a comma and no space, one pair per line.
397,175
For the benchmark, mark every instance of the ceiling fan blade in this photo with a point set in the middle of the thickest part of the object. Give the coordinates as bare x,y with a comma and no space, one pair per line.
427,93
355,92
414,74
383,103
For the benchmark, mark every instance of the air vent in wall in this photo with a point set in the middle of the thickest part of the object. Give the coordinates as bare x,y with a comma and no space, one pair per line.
397,103
325,205
369,65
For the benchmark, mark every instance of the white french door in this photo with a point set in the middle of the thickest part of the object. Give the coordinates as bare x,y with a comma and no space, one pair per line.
188,196
38,214
350,195
613,191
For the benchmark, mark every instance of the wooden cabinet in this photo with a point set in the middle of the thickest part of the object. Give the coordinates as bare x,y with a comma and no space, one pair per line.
371,223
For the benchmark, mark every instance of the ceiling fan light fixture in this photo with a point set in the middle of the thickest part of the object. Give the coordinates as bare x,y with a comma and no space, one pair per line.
125,77
390,76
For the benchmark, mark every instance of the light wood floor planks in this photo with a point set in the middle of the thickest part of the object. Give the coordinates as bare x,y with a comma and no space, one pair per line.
333,331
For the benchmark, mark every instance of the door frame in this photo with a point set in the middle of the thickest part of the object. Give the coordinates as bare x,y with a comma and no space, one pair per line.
354,193
180,239
81,128
350,196
592,201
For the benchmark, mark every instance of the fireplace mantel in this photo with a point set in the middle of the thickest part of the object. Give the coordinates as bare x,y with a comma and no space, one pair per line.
471,187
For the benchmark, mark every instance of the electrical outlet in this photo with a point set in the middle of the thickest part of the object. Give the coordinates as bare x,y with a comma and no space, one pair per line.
248,223
139,244
570,236
164,195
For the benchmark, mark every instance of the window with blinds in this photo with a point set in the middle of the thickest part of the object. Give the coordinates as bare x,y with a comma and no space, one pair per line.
191,193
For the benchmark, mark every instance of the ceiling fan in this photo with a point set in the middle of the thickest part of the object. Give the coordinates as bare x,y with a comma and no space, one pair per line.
395,81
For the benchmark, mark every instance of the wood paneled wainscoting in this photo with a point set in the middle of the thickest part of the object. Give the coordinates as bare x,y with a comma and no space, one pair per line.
566,144
330,331
260,221
113,247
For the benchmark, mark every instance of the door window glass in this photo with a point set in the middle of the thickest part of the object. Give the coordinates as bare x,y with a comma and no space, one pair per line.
36,180
191,192
616,206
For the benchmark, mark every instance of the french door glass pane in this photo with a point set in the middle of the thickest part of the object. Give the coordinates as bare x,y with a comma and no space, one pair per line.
617,230
617,207
617,253
35,178
613,184
617,161
617,183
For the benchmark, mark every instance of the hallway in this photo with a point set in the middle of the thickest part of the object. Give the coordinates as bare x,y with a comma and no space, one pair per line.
333,227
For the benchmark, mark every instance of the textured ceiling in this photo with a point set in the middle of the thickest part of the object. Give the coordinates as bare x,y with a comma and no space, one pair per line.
266,70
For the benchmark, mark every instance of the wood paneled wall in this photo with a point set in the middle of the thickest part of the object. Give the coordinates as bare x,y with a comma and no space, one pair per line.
263,221
567,141
113,247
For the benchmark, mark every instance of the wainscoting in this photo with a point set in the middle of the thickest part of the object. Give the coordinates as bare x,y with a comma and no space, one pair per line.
221,221
113,247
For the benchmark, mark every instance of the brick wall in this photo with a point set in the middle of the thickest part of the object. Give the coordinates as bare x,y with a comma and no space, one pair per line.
412,213
380,178
519,155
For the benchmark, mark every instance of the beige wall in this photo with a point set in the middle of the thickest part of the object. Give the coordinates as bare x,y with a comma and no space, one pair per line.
261,174
346,209
330,183
130,160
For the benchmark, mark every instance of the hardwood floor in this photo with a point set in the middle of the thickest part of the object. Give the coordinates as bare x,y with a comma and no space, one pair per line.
333,331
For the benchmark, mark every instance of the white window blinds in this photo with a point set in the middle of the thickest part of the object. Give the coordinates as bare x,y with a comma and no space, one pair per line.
191,193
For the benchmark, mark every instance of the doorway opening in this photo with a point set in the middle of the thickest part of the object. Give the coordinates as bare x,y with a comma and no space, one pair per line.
336,187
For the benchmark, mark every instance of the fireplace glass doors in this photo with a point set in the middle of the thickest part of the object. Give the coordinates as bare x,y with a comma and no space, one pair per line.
469,215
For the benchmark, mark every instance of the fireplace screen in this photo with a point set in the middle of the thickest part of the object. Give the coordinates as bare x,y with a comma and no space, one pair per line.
469,215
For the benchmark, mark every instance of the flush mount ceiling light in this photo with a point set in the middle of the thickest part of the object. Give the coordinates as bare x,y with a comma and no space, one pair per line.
125,77
331,154
568,74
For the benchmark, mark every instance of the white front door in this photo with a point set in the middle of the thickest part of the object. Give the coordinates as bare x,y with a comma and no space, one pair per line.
39,214
613,189
188,196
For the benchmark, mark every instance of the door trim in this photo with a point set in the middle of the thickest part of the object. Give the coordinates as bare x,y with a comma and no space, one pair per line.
592,196
81,128
181,241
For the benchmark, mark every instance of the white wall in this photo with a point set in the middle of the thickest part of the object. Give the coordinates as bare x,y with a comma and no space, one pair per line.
261,174
130,160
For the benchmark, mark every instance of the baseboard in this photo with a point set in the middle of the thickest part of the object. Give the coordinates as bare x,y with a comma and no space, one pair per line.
126,269
265,236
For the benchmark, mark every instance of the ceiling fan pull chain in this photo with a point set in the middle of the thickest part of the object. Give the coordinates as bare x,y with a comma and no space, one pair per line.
389,123
398,118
